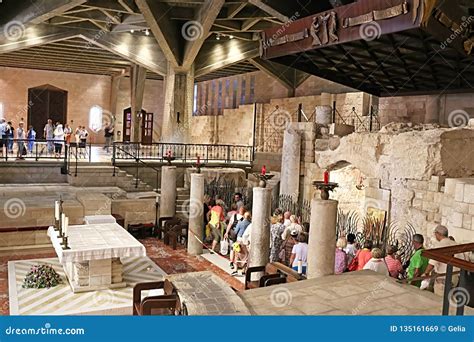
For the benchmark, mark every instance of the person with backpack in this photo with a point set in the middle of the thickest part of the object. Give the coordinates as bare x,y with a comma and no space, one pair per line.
230,232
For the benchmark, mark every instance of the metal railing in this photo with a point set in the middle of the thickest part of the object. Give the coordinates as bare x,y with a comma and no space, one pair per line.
43,149
183,153
459,295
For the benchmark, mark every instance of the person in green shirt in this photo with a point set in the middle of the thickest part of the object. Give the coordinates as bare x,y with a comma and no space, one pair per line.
418,263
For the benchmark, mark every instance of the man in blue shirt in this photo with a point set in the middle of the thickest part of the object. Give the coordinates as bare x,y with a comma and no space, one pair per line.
3,136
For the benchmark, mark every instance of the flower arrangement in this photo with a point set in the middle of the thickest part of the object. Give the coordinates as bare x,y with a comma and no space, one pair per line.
41,276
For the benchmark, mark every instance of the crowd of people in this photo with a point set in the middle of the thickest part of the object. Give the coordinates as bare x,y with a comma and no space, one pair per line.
230,229
55,137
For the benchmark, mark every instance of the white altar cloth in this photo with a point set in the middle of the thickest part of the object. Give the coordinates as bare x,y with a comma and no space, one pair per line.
96,242
99,219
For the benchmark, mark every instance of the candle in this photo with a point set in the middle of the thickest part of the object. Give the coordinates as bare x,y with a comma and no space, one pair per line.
63,216
157,199
264,170
66,226
56,210
326,177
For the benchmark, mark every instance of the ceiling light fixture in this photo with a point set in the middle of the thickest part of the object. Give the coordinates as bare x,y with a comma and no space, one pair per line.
132,30
147,32
218,37
231,37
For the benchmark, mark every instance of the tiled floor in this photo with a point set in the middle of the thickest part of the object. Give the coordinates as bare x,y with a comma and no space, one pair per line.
171,261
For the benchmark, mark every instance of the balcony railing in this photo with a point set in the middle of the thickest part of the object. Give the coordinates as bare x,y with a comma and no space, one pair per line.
183,153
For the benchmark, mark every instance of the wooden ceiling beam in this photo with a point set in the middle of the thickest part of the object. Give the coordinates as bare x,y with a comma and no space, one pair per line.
164,30
270,10
205,17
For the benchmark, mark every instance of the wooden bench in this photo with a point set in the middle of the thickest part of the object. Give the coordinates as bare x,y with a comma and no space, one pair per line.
166,304
273,273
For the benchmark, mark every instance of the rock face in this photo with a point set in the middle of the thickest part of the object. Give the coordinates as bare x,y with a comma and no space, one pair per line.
421,175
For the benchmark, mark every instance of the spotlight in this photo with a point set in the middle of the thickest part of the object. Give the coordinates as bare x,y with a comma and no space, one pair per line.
147,32
231,37
132,30
218,37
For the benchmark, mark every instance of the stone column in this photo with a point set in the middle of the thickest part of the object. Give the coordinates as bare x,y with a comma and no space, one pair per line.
322,238
290,164
137,89
432,109
168,191
196,214
323,115
179,98
260,233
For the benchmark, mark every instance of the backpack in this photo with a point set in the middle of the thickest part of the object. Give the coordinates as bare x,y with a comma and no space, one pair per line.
232,233
354,263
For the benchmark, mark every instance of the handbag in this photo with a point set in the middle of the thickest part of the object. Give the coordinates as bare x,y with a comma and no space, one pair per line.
224,250
354,263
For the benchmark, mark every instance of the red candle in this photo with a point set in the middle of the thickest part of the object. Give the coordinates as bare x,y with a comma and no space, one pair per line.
169,153
326,177
264,170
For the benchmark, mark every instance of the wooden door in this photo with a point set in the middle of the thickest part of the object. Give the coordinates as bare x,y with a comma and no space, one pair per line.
46,102
127,124
147,128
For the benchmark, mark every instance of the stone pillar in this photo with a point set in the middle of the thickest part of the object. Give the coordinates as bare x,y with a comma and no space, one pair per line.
322,238
168,191
432,109
290,164
179,97
196,214
260,233
137,88
323,115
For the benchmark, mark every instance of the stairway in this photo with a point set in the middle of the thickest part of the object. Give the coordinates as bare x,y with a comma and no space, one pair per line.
182,198
104,176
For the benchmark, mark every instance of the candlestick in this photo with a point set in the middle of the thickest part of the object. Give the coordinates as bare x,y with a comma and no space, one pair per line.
326,177
56,210
61,229
66,226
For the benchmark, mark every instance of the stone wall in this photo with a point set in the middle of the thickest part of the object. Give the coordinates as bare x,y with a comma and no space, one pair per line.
84,92
421,177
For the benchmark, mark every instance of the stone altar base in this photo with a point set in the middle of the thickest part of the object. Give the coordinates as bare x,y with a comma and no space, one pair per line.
61,300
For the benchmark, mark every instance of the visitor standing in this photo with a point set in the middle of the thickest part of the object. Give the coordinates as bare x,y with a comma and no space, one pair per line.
231,231
215,221
276,230
238,200
436,267
377,263
294,225
418,262
340,261
48,134
67,134
109,135
287,248
31,139
58,139
394,265
351,248
3,135
10,136
21,136
362,257
286,218
299,254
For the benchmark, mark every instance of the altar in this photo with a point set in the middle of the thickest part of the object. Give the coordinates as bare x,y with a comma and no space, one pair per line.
92,260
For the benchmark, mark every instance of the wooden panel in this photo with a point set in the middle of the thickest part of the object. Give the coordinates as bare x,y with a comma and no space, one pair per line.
147,128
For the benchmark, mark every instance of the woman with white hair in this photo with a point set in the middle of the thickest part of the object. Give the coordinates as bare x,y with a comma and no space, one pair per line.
340,264
58,139
294,225
377,263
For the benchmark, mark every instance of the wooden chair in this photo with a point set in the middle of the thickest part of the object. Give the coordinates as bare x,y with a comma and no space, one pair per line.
166,304
162,225
273,273
175,234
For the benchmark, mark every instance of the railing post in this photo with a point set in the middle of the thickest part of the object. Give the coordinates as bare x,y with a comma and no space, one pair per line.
75,174
113,156
300,111
334,112
185,150
66,149
462,286
447,289
90,151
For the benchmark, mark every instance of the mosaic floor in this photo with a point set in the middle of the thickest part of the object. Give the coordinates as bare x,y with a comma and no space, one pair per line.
169,260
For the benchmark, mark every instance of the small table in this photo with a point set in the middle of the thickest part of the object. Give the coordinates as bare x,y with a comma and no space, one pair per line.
93,260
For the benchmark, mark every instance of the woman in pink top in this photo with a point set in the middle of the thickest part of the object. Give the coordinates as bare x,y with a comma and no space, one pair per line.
393,264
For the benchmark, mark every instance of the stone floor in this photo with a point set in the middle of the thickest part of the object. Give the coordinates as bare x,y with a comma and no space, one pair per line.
171,261
355,293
